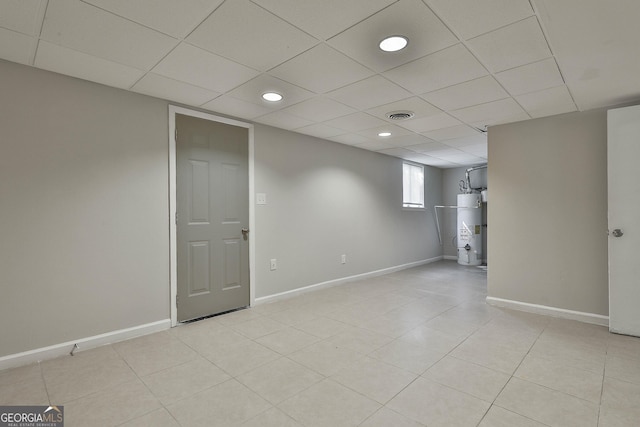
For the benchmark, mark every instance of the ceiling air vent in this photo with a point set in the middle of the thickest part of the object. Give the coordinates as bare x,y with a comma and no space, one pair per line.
400,115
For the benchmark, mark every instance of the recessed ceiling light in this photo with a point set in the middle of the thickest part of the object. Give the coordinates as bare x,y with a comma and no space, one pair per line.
384,134
272,96
394,43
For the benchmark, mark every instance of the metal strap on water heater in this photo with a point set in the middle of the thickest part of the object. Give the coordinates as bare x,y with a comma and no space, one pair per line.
435,208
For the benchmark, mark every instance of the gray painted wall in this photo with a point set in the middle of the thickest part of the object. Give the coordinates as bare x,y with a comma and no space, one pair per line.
84,219
548,212
84,224
326,199
448,217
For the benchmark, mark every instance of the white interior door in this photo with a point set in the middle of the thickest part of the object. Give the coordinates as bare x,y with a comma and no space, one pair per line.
212,217
623,158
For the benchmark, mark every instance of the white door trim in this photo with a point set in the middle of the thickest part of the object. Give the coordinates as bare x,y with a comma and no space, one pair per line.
173,270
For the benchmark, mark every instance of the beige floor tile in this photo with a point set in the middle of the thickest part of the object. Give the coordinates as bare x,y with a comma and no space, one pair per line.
293,316
410,357
72,377
157,418
561,377
499,417
390,325
620,403
329,404
623,368
436,405
30,391
547,406
499,357
226,404
360,340
280,379
240,358
146,359
257,328
112,406
201,329
288,340
623,346
238,316
387,418
179,382
325,358
212,344
273,417
432,339
374,379
456,328
323,327
570,352
20,374
473,379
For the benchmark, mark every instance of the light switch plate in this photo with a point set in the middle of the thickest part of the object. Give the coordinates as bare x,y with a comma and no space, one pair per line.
261,198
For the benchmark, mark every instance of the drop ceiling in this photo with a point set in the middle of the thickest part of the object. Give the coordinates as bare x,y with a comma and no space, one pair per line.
469,65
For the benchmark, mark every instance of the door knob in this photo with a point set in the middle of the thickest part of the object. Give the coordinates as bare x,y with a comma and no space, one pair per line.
245,232
617,233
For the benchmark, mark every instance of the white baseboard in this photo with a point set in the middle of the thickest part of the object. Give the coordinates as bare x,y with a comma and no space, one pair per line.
596,319
39,354
336,282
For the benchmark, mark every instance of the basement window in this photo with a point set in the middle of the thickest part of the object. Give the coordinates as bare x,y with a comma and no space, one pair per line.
412,186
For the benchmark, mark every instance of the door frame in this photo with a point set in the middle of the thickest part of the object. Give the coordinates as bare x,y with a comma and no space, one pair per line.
173,229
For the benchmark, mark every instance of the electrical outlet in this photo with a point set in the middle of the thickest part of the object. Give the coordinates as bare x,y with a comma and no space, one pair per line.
344,258
274,264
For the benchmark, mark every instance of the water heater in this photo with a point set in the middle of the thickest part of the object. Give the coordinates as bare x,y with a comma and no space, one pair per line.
469,234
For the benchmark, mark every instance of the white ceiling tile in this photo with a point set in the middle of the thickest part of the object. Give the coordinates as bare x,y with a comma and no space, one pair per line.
173,90
479,150
492,113
355,122
596,48
283,120
426,160
17,47
321,69
248,34
396,132
398,152
426,124
405,141
198,67
547,102
23,16
447,67
319,109
468,141
409,18
427,147
368,93
77,64
374,146
509,47
418,106
532,77
231,106
252,92
80,26
459,131
474,92
447,152
175,18
325,18
350,139
320,130
462,158
470,18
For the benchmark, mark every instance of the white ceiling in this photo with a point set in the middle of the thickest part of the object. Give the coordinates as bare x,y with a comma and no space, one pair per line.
469,64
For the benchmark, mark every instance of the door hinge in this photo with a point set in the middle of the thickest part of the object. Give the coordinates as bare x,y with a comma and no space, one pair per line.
177,300
176,218
175,136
